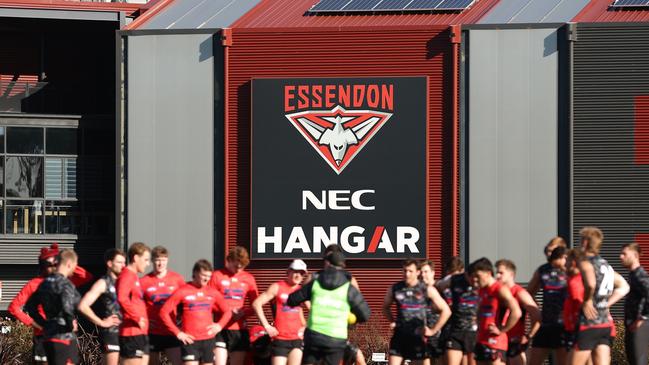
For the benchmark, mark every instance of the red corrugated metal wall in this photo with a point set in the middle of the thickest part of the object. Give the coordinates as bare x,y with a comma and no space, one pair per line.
335,52
641,135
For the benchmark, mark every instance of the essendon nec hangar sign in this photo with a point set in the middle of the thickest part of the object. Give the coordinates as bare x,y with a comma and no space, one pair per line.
339,161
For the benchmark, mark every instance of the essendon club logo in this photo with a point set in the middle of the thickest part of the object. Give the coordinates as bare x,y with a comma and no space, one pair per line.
375,209
338,135
339,120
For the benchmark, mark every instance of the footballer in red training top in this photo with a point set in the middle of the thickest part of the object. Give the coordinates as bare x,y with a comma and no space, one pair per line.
235,285
133,339
157,287
198,302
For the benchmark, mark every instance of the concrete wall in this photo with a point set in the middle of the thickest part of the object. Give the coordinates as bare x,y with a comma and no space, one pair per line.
170,145
512,126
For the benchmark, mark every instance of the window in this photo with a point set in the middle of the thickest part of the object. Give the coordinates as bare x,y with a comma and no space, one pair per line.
38,178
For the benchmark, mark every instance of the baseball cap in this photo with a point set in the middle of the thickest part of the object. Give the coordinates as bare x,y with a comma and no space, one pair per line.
298,265
47,252
336,259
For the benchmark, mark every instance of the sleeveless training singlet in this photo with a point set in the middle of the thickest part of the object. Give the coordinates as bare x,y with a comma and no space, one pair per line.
288,320
604,283
491,312
107,303
411,307
554,282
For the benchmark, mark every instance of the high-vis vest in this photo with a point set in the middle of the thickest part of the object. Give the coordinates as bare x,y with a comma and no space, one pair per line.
329,311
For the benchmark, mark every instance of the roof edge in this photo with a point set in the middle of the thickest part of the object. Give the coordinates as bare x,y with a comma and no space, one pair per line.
154,7
129,9
357,28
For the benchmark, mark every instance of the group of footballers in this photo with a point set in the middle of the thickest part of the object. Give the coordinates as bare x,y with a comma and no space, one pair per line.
475,315
204,321
481,315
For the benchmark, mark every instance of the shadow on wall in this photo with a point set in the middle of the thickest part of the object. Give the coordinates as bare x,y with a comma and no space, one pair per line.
550,44
205,49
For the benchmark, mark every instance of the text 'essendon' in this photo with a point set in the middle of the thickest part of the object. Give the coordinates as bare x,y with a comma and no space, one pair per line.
375,96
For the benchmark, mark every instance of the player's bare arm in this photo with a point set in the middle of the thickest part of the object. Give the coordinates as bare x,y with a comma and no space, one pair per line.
258,305
620,289
444,311
588,277
89,299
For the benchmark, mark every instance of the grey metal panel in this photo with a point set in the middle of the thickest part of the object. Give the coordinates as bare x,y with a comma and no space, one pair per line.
60,14
13,278
534,11
192,14
25,252
512,144
610,189
170,154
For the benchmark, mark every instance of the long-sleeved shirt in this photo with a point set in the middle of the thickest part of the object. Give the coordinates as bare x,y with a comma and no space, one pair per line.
59,300
636,304
79,278
156,292
198,306
131,302
235,289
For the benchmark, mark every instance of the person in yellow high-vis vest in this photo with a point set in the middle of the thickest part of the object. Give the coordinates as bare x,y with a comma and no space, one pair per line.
332,298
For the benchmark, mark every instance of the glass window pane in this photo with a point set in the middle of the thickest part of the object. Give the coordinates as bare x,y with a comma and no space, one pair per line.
62,141
24,140
70,178
24,217
53,178
2,180
62,217
24,177
2,139
98,219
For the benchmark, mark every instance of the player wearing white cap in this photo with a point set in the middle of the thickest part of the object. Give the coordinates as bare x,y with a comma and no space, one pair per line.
288,328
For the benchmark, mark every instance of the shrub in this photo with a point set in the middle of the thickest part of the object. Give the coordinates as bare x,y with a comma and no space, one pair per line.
618,353
15,342
89,346
371,337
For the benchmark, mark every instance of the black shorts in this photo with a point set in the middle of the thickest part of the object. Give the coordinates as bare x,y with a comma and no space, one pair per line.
109,341
548,336
515,348
323,356
283,347
486,353
434,347
407,347
201,351
159,343
461,341
590,338
233,340
38,349
132,347
568,340
350,353
61,352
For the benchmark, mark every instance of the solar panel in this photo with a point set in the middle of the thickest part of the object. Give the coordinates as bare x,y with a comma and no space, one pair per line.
395,5
423,5
630,3
361,5
341,6
454,4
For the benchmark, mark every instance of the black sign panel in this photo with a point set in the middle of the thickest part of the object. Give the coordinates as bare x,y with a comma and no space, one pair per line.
339,161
